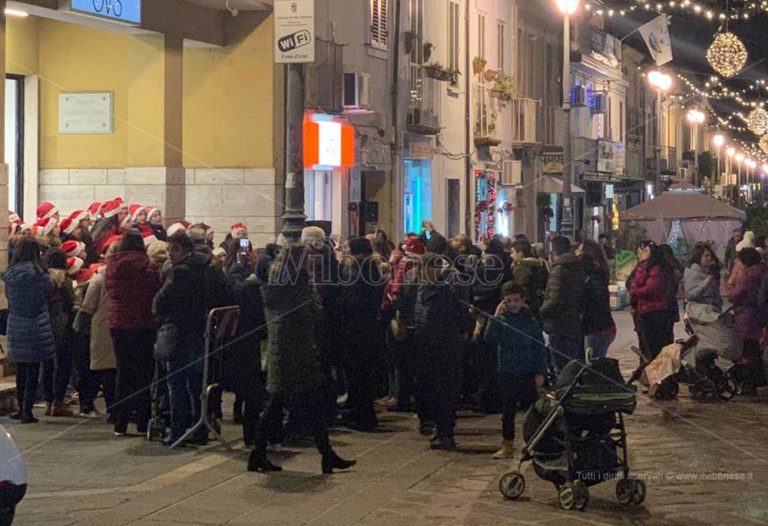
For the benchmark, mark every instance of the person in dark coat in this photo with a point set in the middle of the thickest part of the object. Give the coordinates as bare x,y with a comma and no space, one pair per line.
190,290
56,371
744,295
132,282
648,289
441,319
295,373
242,362
29,332
563,307
362,292
599,327
530,273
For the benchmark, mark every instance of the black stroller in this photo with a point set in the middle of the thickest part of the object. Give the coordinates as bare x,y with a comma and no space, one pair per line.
576,437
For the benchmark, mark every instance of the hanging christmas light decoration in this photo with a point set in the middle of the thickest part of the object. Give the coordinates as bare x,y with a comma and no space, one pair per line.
727,54
764,143
757,121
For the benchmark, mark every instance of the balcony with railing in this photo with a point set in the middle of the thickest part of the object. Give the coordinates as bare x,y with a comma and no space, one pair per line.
424,103
324,84
525,117
487,109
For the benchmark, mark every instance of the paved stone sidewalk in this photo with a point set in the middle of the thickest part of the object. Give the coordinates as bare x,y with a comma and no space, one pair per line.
80,474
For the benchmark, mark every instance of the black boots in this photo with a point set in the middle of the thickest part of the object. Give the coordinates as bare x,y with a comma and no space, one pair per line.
333,461
258,462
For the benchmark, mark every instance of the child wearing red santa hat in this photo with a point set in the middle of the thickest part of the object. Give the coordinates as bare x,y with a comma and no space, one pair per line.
155,223
47,210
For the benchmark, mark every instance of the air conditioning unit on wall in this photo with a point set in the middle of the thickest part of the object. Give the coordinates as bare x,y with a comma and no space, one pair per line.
357,90
511,173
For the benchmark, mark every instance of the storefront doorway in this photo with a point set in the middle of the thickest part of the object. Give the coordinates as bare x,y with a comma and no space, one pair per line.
14,141
417,204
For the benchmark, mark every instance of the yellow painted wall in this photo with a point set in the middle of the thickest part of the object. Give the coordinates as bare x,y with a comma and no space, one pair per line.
21,46
227,95
228,103
78,58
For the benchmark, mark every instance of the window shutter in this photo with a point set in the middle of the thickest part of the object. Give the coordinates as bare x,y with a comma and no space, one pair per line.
379,26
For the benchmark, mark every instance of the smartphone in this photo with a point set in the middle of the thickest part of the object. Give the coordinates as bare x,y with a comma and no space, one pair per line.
244,243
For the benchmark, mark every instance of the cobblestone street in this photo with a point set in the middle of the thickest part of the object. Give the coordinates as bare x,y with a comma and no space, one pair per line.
80,474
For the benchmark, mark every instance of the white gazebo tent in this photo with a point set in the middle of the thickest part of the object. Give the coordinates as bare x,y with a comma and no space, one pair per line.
702,218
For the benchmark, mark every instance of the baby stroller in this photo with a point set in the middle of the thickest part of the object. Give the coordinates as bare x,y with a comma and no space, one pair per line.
693,361
575,437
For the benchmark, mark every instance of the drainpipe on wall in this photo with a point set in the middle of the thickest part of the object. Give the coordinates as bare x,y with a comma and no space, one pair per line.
397,146
468,228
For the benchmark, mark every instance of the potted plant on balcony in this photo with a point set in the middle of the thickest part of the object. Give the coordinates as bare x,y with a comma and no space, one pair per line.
490,74
485,126
503,88
436,71
428,48
478,65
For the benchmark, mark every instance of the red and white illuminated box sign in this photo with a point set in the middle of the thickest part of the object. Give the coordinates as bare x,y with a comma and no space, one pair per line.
329,142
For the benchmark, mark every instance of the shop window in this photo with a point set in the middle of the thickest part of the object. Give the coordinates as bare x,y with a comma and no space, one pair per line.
318,195
418,194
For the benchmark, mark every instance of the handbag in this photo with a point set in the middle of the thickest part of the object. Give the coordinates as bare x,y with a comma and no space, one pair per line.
398,328
167,342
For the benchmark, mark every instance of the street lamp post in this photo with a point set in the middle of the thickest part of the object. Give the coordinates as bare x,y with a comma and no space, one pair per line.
730,152
661,82
567,8
739,159
718,140
696,118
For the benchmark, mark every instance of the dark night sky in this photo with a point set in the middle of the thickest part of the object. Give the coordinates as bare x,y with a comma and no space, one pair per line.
691,36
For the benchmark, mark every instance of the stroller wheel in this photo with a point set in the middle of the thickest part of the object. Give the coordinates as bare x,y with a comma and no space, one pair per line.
512,485
574,496
630,491
727,389
706,391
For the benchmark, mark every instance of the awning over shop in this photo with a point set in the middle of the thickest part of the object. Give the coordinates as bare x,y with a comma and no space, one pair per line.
554,185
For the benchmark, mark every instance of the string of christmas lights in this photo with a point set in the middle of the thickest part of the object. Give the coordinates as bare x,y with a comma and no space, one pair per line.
747,12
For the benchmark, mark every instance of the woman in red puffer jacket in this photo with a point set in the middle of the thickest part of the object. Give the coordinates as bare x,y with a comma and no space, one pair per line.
132,283
649,297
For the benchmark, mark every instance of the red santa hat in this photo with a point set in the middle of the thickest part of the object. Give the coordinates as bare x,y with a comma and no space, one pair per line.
72,248
134,211
45,226
181,225
69,224
74,265
94,210
85,275
234,230
111,208
95,267
46,210
13,217
111,241
149,238
151,210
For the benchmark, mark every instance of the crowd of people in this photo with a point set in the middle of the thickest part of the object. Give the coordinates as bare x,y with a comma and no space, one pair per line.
108,301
